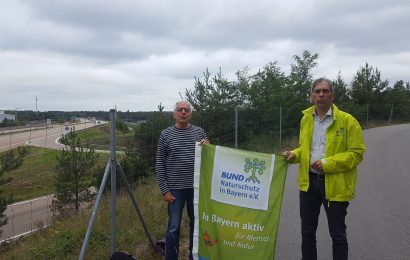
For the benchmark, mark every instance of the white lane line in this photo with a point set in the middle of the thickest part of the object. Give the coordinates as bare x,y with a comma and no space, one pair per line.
23,234
31,200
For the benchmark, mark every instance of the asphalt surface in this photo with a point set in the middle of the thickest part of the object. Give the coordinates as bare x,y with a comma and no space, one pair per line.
378,219
26,216
43,137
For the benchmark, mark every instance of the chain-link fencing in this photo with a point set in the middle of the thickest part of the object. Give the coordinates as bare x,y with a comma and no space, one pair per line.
268,130
26,217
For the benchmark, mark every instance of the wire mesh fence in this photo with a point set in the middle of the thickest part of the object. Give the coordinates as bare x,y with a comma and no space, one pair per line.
26,217
268,130
45,134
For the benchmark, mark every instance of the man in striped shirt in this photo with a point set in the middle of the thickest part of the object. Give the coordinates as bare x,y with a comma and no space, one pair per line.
175,174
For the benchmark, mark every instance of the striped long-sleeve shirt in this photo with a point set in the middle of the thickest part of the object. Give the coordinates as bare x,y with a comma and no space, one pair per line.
175,157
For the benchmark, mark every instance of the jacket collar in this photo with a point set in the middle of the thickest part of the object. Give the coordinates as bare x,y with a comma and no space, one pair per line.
335,111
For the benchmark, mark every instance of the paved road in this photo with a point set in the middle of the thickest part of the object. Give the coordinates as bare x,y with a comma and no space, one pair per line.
378,219
43,137
26,216
29,215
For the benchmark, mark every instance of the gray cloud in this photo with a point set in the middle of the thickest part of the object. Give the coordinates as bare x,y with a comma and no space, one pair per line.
94,54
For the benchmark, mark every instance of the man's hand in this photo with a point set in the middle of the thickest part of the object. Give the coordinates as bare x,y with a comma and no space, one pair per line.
203,141
168,197
289,155
317,165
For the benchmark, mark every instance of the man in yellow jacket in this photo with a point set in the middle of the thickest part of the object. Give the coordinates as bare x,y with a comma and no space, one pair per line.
331,146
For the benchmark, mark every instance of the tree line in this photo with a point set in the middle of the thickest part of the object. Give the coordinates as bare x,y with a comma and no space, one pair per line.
270,91
271,87
26,116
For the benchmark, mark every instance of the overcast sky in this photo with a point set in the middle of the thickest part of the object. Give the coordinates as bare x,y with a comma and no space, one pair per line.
97,54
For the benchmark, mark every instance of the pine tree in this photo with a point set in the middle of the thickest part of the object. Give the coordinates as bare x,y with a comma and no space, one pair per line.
3,207
9,161
73,175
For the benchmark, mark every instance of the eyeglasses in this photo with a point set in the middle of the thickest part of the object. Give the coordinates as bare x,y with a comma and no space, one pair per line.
179,110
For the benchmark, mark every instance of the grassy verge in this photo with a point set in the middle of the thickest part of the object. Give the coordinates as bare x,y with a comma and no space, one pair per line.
63,240
34,177
269,144
99,137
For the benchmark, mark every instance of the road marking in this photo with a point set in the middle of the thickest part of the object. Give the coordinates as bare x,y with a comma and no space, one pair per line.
27,201
23,234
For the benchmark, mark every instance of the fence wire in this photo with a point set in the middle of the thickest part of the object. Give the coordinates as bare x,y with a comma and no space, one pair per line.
268,130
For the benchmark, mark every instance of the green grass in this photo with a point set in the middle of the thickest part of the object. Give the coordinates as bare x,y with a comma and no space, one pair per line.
99,137
269,143
34,177
63,240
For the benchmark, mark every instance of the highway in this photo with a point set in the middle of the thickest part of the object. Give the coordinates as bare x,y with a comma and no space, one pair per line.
40,137
26,216
378,219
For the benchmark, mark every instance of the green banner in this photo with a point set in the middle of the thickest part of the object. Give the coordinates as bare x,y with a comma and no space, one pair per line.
238,197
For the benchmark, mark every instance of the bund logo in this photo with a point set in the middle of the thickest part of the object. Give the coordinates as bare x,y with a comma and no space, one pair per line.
340,132
255,167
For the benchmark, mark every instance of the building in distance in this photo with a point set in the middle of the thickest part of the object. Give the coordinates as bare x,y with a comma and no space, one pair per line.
6,117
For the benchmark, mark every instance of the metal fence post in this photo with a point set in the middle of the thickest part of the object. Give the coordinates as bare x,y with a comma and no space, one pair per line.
31,215
110,165
94,213
280,128
113,181
12,220
367,116
45,142
48,211
29,138
236,128
391,114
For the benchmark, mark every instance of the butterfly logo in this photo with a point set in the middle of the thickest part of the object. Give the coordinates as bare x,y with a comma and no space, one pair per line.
208,240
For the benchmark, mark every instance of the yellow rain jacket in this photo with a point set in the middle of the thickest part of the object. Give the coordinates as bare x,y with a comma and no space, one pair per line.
344,151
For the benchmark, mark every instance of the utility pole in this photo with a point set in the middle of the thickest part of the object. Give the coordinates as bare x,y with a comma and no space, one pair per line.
36,103
391,114
15,119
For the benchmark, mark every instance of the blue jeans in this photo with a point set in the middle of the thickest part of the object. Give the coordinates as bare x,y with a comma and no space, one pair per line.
310,203
175,210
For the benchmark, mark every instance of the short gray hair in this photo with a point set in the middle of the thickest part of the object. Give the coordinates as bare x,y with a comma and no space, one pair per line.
183,102
320,80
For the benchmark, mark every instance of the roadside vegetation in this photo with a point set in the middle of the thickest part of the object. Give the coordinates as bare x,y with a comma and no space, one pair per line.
99,137
75,174
35,176
31,175
63,240
9,161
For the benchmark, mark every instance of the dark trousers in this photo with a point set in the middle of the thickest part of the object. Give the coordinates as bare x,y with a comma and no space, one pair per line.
175,210
310,203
